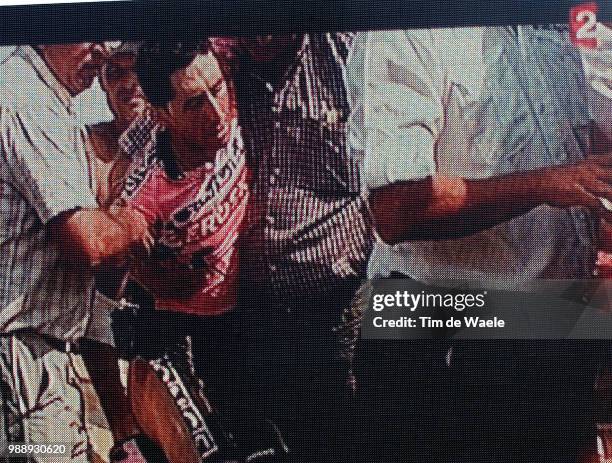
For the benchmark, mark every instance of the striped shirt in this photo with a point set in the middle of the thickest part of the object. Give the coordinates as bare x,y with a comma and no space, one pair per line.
308,228
43,172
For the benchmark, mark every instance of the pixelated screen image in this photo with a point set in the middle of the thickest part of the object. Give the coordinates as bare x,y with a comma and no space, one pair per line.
306,232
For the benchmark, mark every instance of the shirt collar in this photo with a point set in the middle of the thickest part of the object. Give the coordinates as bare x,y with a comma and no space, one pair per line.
138,135
287,77
42,69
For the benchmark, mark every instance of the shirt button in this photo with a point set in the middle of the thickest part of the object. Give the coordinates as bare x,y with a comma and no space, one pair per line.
272,179
276,171
270,220
277,125
272,267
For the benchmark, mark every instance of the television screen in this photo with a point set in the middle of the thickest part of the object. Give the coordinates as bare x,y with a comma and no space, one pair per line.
306,232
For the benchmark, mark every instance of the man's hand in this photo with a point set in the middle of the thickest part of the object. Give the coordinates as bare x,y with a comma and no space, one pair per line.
134,222
580,184
93,236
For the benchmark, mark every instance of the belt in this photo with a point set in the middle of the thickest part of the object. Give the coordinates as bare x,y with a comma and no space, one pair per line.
100,303
62,346
32,339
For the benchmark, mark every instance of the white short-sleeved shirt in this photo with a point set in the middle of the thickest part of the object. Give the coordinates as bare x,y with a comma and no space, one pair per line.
427,88
43,172
597,63
472,103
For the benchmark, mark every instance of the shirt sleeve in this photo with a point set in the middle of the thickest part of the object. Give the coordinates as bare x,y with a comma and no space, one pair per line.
402,107
44,160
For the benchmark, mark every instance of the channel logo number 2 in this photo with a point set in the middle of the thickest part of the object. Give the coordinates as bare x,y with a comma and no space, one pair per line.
583,25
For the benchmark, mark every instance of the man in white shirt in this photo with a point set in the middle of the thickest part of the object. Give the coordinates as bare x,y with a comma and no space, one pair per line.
475,148
52,235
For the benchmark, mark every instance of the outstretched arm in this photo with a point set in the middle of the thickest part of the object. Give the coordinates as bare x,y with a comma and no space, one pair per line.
445,207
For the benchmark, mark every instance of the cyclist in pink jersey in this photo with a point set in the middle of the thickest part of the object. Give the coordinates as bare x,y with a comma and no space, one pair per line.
191,184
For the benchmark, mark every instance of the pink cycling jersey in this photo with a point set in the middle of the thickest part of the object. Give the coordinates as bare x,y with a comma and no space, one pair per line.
199,216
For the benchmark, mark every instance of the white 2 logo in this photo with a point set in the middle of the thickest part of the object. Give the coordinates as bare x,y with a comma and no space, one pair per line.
588,29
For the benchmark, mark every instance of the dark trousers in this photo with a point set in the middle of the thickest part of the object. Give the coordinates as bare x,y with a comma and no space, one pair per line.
196,344
401,395
524,400
498,401
295,373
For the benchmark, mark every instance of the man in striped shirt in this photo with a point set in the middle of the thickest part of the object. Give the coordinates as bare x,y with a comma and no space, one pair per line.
52,236
308,238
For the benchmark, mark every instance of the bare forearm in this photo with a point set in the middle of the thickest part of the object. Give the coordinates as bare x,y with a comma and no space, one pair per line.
446,208
95,236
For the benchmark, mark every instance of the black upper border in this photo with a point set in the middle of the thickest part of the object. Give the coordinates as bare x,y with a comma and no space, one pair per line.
140,19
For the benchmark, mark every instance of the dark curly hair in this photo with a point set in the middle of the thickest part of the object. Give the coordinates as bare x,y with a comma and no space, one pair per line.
157,61
154,66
